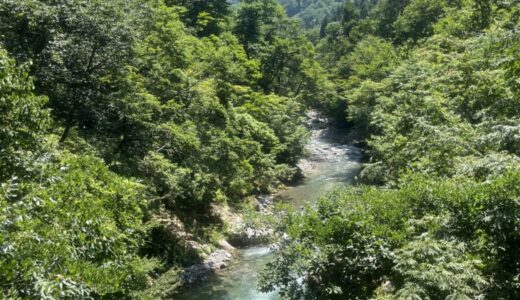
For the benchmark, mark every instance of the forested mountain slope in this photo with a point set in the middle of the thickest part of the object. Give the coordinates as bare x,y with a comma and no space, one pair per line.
434,87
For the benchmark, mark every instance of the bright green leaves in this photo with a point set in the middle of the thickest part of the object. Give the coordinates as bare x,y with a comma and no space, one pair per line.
224,59
337,247
430,239
23,118
433,269
73,232
440,94
287,58
484,216
370,62
178,187
208,17
70,228
166,54
259,21
289,69
434,86
201,142
385,14
197,144
417,19
284,116
460,91
168,96
373,58
81,48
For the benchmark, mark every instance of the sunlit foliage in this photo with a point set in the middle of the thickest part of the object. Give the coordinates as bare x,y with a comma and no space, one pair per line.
147,108
433,87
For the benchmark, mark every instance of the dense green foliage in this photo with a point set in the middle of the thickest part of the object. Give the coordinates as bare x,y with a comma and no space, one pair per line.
409,92
311,12
72,232
122,117
127,126
318,13
428,240
433,86
23,118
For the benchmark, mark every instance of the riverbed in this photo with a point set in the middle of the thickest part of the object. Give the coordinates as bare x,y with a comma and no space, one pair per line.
332,162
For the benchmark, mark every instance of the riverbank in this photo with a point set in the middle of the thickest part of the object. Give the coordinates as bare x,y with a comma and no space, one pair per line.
332,162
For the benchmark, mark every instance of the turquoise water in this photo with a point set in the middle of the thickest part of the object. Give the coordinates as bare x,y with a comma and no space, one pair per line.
332,163
236,282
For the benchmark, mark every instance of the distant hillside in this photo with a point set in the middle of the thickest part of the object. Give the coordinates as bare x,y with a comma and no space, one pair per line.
311,12
295,7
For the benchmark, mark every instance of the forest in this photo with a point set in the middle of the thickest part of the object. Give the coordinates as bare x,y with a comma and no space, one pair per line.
129,129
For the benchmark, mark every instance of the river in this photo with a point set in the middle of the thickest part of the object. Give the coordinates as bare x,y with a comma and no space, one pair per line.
332,163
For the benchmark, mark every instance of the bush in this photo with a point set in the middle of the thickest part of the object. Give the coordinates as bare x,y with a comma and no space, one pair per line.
428,239
74,232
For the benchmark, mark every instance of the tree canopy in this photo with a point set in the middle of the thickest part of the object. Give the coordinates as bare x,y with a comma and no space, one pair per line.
117,113
131,129
430,85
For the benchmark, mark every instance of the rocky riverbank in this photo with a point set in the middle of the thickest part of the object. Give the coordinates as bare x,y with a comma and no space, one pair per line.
241,235
326,165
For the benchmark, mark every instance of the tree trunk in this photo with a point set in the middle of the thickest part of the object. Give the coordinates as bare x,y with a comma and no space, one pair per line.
66,133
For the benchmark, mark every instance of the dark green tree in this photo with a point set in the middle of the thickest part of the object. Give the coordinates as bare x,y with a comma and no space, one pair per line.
206,16
77,49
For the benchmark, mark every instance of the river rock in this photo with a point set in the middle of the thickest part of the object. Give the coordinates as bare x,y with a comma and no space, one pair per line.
196,273
225,245
264,202
250,237
305,166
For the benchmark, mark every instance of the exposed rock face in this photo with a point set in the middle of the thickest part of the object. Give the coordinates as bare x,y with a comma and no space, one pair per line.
211,261
172,222
247,233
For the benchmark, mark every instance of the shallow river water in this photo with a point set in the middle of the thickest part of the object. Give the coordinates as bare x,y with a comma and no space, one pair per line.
332,163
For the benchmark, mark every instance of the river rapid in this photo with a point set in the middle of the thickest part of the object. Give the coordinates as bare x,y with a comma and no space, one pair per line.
332,162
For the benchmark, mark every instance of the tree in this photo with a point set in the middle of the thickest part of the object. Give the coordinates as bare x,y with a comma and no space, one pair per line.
437,269
258,21
206,16
421,240
371,61
24,120
73,232
350,15
417,19
81,46
386,12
